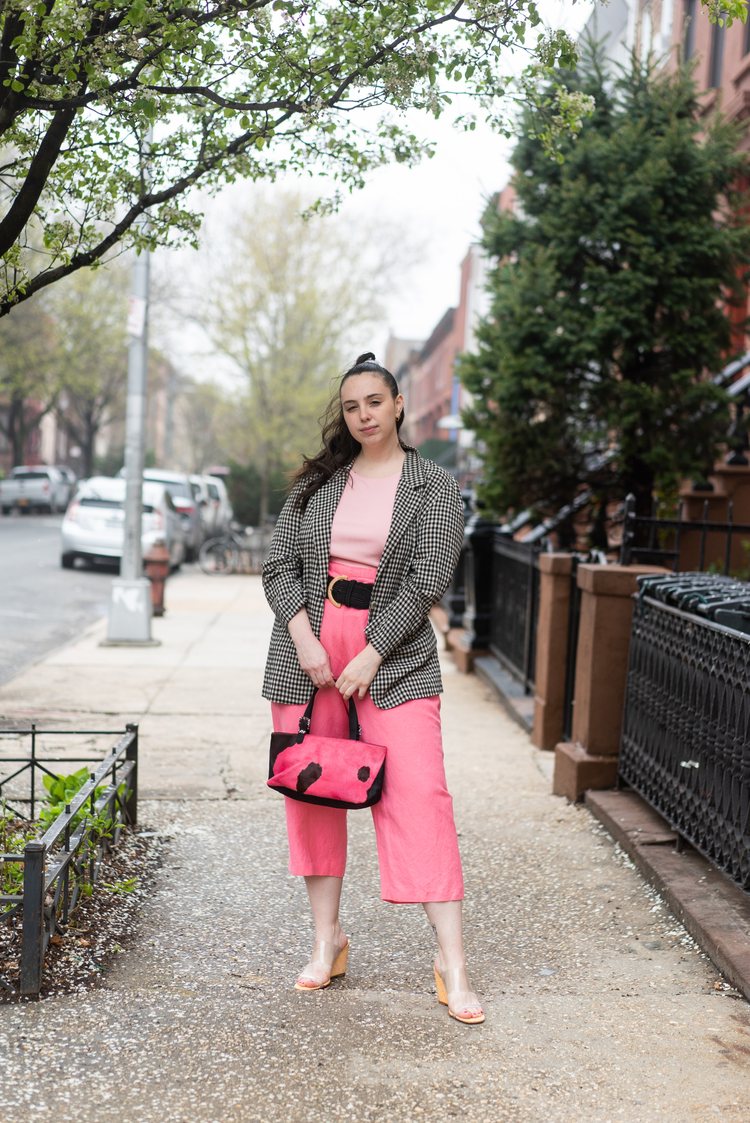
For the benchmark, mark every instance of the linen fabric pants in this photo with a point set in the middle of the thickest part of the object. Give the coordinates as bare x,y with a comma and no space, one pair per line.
414,827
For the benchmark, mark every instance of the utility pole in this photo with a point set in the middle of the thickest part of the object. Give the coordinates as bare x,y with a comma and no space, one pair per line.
130,604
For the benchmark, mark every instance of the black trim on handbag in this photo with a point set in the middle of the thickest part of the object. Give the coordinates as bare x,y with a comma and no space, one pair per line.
331,771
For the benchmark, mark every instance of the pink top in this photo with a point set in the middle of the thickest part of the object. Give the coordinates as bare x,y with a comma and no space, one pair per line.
363,519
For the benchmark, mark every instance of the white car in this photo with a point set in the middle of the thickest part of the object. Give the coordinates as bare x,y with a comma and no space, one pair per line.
186,502
216,510
93,528
35,488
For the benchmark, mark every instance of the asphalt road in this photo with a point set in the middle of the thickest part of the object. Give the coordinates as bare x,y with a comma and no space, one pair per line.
42,606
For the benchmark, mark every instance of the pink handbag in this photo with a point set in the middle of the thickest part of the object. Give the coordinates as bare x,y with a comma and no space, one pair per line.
332,771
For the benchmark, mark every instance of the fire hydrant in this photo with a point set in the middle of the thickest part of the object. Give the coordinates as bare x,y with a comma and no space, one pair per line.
156,567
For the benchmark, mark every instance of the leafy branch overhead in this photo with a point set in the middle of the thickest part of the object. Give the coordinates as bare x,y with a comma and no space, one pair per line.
232,89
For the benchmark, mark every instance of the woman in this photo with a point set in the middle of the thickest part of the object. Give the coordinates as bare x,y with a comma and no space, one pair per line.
366,543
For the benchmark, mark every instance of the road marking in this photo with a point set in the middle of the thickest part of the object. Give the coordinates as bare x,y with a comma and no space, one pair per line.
19,614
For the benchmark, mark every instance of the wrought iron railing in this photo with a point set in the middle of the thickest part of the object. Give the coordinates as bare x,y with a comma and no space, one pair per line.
68,855
515,606
686,729
658,541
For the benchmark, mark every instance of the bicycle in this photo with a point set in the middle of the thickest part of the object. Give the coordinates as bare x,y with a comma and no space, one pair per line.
238,550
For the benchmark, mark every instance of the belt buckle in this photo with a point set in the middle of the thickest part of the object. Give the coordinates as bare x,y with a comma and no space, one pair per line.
331,583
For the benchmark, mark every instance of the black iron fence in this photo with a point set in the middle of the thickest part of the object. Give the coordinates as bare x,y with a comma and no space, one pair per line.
515,605
686,728
58,862
651,540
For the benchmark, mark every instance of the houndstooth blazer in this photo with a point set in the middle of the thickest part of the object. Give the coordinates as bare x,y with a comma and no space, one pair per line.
419,556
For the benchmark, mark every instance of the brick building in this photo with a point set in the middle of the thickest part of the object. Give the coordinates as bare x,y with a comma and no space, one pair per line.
426,371
671,30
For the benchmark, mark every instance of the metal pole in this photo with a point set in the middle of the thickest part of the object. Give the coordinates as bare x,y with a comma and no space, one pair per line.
131,753
132,560
32,945
130,606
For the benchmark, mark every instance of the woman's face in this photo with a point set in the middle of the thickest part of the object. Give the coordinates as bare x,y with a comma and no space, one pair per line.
369,410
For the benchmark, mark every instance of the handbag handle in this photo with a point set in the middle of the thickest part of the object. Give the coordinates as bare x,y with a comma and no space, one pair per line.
355,731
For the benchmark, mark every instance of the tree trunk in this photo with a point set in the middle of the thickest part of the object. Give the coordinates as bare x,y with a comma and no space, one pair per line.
16,428
90,430
265,479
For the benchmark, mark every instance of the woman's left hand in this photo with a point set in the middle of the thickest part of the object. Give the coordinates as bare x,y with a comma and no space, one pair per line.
359,673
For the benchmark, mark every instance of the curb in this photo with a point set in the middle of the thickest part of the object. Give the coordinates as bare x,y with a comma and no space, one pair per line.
714,910
508,691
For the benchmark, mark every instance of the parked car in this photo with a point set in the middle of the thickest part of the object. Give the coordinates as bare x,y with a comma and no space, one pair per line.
216,510
205,510
69,475
34,488
187,503
94,525
217,491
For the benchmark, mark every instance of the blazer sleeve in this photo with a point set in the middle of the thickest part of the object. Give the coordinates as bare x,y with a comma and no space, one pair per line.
440,537
282,569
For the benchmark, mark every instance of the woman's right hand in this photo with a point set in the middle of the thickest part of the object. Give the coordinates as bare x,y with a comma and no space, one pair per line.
313,657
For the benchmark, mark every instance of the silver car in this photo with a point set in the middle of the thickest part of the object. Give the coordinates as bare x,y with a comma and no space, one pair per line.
186,502
93,528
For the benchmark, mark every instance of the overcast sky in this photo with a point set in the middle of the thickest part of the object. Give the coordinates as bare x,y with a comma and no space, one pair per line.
442,201
439,203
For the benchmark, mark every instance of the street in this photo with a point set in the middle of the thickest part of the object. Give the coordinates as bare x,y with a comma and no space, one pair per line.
41,605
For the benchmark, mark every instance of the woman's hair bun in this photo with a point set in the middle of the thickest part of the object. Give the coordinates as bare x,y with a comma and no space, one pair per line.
368,357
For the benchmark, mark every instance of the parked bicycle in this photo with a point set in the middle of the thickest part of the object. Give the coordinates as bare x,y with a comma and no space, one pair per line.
238,550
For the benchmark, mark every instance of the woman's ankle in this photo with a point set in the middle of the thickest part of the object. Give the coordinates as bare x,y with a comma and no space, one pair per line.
329,933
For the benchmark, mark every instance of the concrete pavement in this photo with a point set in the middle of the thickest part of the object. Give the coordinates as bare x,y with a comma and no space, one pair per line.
599,1007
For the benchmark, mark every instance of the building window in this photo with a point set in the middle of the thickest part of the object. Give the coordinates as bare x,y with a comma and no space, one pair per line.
691,7
647,34
717,55
665,26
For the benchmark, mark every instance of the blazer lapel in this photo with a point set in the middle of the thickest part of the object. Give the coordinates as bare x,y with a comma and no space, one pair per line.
406,504
322,508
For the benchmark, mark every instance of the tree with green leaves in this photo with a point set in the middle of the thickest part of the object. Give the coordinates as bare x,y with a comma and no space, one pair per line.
609,297
205,413
230,88
289,302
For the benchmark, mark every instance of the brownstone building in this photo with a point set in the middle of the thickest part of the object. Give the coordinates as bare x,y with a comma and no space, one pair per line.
426,371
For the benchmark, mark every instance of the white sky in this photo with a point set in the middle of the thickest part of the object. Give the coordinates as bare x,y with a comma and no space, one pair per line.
440,203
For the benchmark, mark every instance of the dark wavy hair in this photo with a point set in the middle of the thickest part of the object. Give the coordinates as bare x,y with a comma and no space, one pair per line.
339,446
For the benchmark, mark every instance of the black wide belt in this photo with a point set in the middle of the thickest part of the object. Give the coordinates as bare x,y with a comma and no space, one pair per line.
353,594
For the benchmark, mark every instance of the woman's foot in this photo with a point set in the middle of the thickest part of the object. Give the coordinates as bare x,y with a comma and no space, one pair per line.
328,961
452,985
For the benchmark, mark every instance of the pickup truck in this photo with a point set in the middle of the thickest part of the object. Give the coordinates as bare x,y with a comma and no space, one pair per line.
34,489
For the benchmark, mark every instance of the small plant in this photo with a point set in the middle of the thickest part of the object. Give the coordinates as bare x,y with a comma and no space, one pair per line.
124,886
61,791
14,834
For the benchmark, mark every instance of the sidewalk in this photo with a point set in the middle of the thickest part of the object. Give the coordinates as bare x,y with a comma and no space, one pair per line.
599,1007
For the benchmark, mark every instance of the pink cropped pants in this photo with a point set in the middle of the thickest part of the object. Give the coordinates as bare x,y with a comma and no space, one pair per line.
414,828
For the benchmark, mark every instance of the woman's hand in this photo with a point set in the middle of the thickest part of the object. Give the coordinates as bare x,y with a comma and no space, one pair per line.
312,656
359,673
